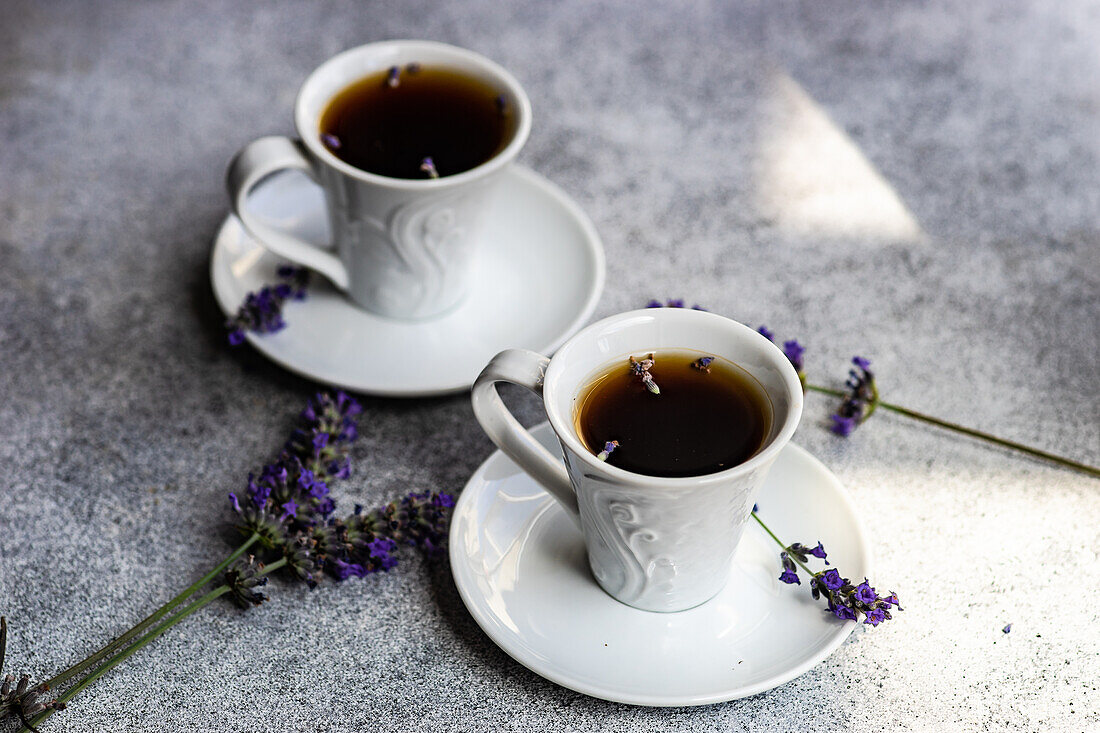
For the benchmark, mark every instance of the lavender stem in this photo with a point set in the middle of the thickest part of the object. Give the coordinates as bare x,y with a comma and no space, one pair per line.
1067,462
160,613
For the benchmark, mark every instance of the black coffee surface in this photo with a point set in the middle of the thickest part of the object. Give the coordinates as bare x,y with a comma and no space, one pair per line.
701,422
389,129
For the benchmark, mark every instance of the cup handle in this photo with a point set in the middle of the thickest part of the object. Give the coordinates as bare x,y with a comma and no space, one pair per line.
527,369
255,161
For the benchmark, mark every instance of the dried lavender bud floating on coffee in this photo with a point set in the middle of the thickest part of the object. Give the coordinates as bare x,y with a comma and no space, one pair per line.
428,166
640,368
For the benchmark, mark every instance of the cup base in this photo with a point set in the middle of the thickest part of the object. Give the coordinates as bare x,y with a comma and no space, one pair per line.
668,608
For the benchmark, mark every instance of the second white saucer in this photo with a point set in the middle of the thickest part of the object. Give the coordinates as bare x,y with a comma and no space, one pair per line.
520,566
537,278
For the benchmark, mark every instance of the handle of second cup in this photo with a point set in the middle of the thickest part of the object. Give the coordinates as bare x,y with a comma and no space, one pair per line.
525,368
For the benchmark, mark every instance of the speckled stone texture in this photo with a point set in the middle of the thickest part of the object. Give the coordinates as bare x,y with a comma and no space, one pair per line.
915,182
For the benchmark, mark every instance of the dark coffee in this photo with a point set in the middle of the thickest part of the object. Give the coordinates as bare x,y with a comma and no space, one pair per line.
392,122
692,415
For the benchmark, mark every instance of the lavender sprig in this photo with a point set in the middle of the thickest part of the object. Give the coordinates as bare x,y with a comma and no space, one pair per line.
844,599
262,311
285,509
862,398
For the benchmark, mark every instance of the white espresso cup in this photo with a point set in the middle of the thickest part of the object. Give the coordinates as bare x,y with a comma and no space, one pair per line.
401,247
658,544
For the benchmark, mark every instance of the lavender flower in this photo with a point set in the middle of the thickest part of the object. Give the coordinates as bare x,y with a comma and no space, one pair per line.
672,303
262,311
393,78
243,577
847,601
844,600
803,553
790,572
608,448
420,520
291,494
641,369
861,400
18,698
428,166
792,350
703,363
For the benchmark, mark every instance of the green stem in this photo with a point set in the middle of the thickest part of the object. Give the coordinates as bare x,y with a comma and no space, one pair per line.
272,567
1067,462
779,542
118,659
160,613
164,626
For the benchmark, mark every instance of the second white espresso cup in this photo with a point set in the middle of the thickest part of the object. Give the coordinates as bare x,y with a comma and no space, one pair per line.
401,247
659,544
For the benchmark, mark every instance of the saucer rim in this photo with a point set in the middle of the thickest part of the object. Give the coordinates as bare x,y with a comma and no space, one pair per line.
593,250
487,623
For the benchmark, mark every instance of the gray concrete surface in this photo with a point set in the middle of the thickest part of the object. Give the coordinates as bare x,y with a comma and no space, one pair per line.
914,182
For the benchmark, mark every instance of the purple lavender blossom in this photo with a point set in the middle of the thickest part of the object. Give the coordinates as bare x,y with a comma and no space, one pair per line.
789,576
608,448
641,367
291,507
703,363
672,303
874,617
842,612
864,593
393,78
794,351
843,426
861,400
831,580
262,311
428,166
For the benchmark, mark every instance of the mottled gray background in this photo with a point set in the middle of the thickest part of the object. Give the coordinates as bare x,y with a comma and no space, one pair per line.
915,182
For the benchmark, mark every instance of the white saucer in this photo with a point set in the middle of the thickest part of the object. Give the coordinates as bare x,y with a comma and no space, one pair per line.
520,566
536,280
